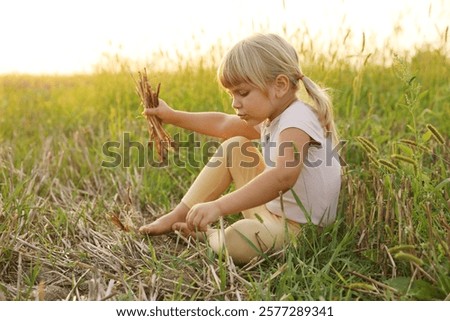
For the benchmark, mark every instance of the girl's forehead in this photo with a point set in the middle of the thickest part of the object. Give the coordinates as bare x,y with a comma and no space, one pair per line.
240,86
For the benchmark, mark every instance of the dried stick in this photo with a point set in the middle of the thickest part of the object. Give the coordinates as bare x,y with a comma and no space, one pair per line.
149,99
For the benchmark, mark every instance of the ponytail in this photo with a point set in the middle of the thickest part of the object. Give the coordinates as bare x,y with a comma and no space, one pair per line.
323,107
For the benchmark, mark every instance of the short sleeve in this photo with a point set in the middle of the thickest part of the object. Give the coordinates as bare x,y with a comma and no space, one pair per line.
301,116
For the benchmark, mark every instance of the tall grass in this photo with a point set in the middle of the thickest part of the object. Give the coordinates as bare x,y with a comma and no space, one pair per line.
57,239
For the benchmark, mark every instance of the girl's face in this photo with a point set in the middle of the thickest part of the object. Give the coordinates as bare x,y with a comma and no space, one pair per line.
252,104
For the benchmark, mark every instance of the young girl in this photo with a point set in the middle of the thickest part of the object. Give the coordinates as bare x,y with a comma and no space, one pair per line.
293,182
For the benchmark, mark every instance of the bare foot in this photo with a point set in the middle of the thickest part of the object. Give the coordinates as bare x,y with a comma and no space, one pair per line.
183,229
163,225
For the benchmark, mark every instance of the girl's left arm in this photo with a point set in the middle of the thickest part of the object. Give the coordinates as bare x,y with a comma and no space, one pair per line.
293,145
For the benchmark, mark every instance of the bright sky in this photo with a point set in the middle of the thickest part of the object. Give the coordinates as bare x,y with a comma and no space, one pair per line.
51,36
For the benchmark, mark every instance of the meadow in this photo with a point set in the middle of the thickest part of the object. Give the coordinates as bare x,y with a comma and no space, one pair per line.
59,207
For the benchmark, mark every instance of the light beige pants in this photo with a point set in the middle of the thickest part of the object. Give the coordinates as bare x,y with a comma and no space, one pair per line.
238,160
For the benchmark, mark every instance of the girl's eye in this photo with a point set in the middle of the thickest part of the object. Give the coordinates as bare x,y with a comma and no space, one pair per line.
243,93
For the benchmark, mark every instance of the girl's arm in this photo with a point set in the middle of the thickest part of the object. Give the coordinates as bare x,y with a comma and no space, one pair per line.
209,123
263,188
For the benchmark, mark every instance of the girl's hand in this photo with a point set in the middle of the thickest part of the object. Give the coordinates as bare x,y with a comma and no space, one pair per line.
163,112
201,215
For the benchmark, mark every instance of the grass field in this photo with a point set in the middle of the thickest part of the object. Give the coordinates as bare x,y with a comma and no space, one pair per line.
57,239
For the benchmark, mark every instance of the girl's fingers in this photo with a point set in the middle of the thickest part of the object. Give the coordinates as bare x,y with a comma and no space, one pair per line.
149,111
189,219
194,221
202,226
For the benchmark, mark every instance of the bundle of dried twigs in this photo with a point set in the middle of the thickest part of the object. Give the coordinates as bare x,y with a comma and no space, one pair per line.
149,99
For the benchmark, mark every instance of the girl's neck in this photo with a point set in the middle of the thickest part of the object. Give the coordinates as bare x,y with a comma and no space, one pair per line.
283,106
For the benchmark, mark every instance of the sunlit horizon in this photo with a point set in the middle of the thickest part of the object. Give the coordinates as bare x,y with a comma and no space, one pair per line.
64,37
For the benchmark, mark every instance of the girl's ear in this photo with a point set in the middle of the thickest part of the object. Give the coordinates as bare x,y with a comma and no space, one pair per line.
281,85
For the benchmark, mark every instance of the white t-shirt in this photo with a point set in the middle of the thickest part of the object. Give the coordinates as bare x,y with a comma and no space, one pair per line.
319,182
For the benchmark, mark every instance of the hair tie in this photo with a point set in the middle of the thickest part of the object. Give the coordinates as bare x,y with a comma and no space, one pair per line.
301,76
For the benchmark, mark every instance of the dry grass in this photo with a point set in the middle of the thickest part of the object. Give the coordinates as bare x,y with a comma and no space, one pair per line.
66,247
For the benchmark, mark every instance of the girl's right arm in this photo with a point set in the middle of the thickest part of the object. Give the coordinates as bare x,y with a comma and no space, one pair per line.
215,124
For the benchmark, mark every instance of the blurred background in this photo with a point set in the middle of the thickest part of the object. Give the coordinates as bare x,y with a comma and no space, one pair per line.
65,37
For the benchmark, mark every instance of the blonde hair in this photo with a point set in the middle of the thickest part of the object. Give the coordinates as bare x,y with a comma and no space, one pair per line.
259,59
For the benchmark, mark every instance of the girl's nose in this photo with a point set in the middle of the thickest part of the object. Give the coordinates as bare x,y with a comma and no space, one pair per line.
236,104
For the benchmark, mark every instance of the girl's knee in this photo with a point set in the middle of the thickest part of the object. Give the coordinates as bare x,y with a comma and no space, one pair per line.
235,141
244,240
232,145
240,150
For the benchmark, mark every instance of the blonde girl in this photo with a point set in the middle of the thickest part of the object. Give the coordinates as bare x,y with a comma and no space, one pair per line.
295,179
